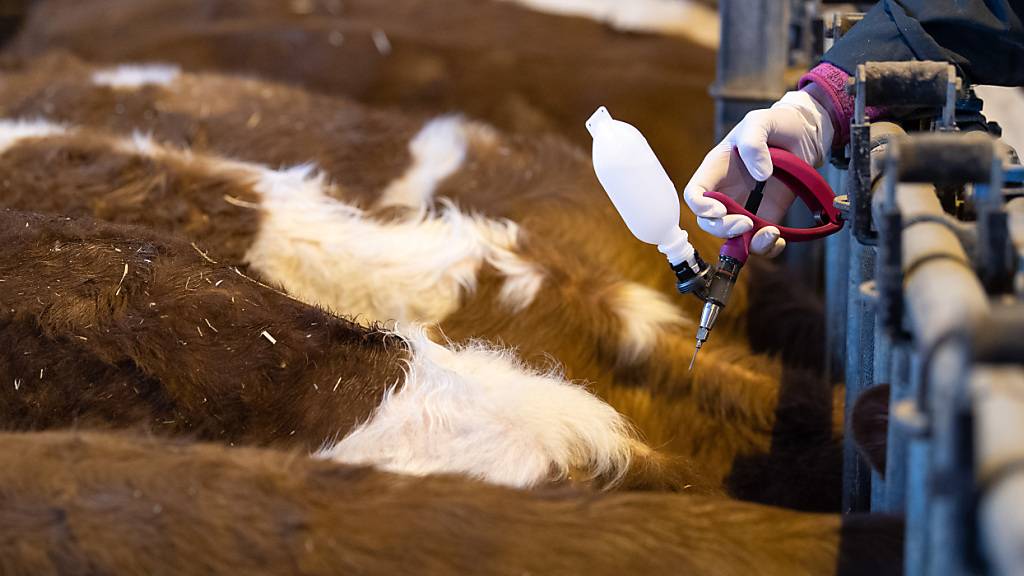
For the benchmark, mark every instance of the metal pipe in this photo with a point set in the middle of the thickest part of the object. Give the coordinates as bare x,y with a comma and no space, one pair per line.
942,295
1015,213
882,369
916,557
752,59
942,292
897,448
860,332
995,254
937,270
880,136
860,317
949,472
999,453
837,264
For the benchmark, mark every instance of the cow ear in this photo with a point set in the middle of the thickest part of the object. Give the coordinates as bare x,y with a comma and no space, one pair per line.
869,423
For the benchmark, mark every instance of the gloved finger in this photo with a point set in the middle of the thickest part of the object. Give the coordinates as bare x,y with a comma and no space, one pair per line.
777,248
701,205
712,170
728,226
752,144
764,240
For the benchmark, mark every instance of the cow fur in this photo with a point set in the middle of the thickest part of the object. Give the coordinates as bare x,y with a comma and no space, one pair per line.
94,503
477,67
869,425
689,19
113,327
546,188
217,113
364,151
370,153
522,71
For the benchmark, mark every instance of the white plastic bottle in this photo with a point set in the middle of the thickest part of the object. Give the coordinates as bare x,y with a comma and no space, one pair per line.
639,187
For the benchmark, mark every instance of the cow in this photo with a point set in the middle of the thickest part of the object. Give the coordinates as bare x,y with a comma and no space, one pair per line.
462,206
520,70
74,502
292,233
111,327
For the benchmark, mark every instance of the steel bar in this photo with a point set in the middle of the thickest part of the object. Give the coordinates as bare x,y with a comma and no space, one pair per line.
999,453
752,59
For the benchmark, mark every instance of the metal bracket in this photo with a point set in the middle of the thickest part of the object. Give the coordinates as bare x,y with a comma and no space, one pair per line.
898,85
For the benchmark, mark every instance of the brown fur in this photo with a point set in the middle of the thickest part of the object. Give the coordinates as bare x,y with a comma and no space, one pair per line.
82,176
785,317
575,65
235,117
869,425
92,503
524,71
724,410
544,184
176,346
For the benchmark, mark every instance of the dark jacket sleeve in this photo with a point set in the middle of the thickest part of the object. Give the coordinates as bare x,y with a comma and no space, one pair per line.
984,38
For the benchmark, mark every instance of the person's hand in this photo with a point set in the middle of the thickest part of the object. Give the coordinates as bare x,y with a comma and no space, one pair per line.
797,123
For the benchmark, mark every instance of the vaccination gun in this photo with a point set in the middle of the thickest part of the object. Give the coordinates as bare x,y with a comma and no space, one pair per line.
645,197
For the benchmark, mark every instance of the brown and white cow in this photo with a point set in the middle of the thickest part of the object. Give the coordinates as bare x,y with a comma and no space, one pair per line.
106,326
695,20
520,70
543,184
562,278
75,503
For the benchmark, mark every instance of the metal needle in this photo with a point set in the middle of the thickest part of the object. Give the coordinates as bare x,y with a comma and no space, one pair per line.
695,351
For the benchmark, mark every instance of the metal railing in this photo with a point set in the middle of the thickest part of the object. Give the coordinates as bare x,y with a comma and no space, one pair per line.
923,288
931,256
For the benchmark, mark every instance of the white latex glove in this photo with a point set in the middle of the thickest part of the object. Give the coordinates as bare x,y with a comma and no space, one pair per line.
797,123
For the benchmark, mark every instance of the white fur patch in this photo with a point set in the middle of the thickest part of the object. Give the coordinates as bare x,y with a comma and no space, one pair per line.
475,410
479,412
323,251
523,280
381,42
131,76
416,269
13,131
684,18
645,315
1005,105
438,150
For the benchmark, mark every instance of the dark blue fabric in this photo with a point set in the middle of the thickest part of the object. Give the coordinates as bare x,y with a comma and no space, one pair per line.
984,38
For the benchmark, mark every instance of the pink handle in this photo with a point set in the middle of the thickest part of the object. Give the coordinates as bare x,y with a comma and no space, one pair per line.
806,184
737,248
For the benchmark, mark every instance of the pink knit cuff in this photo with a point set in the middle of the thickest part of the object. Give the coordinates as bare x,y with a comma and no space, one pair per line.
833,80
